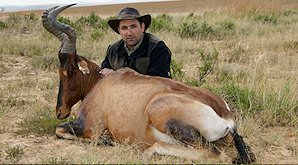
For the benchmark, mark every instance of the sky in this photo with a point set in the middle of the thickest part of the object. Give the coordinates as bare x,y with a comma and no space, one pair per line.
46,2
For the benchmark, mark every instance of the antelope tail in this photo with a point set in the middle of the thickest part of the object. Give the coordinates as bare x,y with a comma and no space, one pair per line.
245,154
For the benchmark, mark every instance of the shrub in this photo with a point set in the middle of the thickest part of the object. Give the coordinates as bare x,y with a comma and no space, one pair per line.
103,24
161,22
206,68
205,30
227,25
266,18
13,19
208,62
188,29
289,12
90,20
195,30
30,17
65,20
97,34
2,25
93,21
176,69
227,28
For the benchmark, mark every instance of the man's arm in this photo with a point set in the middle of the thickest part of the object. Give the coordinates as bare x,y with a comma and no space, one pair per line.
160,61
105,65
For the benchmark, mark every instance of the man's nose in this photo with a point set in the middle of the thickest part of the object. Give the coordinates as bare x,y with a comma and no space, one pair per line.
129,31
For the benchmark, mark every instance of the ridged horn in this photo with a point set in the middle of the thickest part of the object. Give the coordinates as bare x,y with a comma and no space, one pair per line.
63,32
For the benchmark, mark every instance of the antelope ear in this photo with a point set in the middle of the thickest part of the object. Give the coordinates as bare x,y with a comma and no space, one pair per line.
83,67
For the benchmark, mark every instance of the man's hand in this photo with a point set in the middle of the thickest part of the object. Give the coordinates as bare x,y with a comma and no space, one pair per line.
106,71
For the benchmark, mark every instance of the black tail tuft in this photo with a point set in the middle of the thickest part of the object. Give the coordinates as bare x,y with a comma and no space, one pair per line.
245,154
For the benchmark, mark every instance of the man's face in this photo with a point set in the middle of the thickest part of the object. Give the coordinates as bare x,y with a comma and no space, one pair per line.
131,31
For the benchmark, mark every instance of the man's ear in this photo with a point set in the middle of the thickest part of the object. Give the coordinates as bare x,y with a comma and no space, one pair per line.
83,67
143,27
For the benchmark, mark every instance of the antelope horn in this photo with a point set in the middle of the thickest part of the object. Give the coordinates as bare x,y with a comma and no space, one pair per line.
63,32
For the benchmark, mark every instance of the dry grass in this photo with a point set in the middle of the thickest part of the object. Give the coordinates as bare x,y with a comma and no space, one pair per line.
256,72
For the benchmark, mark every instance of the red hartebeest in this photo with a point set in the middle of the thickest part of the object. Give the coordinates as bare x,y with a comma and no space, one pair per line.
167,115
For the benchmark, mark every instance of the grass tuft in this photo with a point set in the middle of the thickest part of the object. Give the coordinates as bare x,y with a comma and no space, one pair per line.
14,152
59,160
40,123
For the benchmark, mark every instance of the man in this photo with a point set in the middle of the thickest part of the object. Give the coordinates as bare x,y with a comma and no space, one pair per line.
137,49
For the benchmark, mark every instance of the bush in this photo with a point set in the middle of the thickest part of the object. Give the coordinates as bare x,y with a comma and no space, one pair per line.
196,30
205,30
227,28
2,25
30,17
188,29
93,21
266,18
289,12
161,22
72,24
227,25
13,19
194,27
97,34
103,24
66,20
176,69
208,62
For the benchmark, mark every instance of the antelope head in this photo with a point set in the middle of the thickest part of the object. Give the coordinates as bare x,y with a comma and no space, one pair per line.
74,69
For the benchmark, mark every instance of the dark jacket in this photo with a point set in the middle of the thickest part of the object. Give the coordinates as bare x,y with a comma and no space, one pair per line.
152,57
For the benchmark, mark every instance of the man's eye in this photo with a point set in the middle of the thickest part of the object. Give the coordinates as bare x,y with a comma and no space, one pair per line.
123,27
133,26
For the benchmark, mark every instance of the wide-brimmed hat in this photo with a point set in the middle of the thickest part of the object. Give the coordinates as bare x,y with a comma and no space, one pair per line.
129,13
